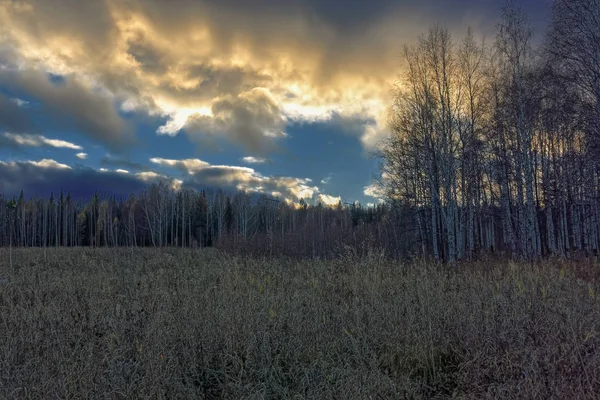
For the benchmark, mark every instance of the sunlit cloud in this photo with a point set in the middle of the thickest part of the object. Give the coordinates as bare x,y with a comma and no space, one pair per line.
47,163
241,85
329,200
201,173
189,165
147,175
254,160
36,141
374,190
81,156
44,163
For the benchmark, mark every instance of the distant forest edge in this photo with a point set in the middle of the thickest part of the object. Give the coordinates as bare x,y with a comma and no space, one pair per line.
494,148
161,216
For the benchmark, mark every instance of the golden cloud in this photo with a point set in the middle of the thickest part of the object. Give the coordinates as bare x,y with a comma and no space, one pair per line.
201,173
329,200
231,69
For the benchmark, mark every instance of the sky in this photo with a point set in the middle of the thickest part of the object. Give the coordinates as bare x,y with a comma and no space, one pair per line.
287,98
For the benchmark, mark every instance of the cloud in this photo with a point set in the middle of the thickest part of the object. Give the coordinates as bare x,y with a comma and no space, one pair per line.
18,140
199,174
81,156
329,200
122,163
20,102
372,136
254,160
198,63
47,164
326,180
189,165
251,119
68,104
374,190
40,178
238,85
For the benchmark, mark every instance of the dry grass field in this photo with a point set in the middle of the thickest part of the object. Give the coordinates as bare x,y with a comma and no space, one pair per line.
173,323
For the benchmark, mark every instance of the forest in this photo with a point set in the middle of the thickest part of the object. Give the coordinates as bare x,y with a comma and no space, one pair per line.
493,150
160,216
496,145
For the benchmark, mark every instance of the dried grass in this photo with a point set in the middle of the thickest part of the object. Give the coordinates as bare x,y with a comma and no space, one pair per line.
176,323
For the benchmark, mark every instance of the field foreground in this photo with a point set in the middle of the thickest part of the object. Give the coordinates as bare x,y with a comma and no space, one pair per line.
106,323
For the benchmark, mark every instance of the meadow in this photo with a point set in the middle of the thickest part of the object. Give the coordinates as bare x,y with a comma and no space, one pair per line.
182,323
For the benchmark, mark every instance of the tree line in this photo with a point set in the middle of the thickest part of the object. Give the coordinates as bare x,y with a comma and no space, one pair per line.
496,146
160,216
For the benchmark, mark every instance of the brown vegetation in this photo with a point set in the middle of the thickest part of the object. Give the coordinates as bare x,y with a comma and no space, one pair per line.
183,323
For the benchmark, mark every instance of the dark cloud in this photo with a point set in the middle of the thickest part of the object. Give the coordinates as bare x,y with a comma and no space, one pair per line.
13,118
40,178
217,81
349,124
147,56
252,119
343,37
46,176
123,164
209,82
65,104
90,21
